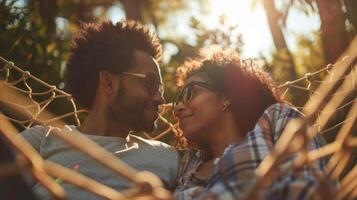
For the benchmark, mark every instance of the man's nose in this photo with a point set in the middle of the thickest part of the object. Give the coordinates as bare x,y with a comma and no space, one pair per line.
159,97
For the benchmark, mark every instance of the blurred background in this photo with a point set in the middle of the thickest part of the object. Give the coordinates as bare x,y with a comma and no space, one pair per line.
287,37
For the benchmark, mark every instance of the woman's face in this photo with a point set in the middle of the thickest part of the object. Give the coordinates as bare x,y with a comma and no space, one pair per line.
198,109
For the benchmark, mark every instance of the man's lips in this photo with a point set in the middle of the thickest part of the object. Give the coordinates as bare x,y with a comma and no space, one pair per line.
152,107
154,110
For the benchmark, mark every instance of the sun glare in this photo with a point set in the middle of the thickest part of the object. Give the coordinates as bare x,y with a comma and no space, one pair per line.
252,23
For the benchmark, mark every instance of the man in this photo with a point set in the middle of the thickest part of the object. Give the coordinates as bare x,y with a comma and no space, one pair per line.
112,72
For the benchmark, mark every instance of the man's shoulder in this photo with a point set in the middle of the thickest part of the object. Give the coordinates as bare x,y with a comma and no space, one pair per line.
35,133
42,131
152,143
35,136
35,130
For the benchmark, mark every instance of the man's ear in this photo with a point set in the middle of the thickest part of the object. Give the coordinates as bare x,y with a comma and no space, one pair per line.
108,82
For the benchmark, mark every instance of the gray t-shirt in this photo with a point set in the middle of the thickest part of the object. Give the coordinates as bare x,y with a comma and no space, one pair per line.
141,154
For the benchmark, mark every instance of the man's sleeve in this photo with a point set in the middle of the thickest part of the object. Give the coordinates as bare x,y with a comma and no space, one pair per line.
34,136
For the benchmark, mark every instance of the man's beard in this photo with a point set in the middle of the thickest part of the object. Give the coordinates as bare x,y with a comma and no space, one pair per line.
130,110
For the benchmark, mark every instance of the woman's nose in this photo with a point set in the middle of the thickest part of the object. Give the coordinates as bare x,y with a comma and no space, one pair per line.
178,108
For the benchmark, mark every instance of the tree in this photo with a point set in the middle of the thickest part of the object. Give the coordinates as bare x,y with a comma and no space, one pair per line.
351,11
133,9
333,29
283,54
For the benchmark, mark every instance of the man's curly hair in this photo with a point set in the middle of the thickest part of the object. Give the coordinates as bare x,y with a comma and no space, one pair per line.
105,46
248,87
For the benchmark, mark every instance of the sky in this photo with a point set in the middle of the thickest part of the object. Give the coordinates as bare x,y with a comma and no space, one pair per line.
252,24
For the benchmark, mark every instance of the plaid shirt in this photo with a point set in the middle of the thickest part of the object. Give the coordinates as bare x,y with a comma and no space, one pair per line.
234,173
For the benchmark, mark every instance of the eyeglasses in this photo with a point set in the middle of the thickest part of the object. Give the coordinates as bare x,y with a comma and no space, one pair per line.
152,82
186,93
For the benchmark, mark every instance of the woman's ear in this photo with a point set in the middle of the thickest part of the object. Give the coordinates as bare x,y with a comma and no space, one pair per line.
226,103
108,82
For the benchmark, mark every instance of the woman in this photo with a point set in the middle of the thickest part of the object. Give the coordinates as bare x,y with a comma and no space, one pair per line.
231,112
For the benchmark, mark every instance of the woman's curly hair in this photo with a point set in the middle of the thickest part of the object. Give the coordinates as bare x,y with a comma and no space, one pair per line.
105,46
248,87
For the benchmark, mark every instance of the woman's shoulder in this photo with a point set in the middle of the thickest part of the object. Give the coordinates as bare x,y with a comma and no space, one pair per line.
273,121
280,113
284,109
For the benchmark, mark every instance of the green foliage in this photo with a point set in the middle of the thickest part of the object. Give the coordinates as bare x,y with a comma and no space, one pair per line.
279,66
309,54
30,44
27,41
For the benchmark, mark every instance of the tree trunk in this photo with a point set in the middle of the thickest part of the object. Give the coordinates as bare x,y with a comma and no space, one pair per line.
133,9
333,30
278,37
273,20
351,8
48,12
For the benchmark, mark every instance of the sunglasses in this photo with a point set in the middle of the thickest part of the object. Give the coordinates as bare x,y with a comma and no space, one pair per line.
151,81
186,93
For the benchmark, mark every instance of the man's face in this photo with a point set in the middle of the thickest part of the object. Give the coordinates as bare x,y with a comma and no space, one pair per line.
136,103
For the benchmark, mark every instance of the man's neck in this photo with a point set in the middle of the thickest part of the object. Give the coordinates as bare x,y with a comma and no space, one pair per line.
98,123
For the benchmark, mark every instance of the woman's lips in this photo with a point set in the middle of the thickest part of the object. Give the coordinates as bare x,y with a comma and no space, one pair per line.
184,117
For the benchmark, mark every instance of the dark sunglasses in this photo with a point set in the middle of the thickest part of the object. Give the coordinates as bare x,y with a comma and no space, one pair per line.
186,94
152,82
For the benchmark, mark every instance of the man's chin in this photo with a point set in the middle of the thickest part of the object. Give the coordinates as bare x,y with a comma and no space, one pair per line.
150,123
149,130
145,126
150,127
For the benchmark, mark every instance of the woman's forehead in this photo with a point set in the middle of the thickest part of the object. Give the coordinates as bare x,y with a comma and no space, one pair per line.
195,77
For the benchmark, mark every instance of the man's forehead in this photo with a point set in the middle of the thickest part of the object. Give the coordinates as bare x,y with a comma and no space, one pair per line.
144,63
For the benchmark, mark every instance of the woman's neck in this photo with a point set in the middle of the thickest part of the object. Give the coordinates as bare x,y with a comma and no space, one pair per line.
222,135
